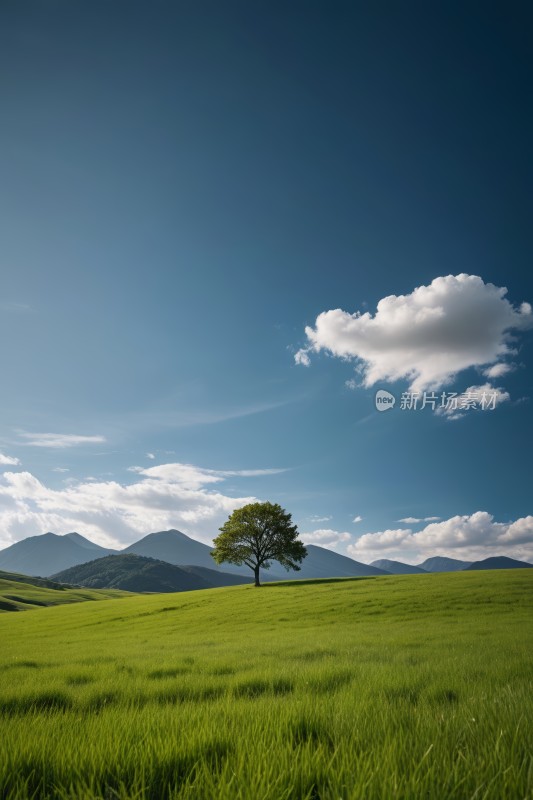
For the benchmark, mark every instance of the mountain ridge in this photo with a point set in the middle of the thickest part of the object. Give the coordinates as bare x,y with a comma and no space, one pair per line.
49,554
398,567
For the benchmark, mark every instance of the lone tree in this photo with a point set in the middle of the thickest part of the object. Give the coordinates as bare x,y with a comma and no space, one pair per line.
257,534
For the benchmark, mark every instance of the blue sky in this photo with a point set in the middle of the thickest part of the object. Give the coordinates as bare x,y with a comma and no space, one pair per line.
184,188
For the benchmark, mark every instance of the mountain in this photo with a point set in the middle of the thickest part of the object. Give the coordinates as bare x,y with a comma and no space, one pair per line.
323,563
397,567
174,547
442,564
140,574
499,562
49,553
85,543
177,548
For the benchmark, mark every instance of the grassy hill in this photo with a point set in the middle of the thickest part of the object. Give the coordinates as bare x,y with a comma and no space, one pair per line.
21,592
391,687
140,574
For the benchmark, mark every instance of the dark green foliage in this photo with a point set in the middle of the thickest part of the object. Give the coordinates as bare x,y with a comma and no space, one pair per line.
257,534
132,573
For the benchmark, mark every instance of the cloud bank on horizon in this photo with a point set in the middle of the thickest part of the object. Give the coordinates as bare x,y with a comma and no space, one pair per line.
115,514
426,337
468,537
180,496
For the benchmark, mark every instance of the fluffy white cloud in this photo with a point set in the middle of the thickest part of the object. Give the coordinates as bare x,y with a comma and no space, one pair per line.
9,461
161,497
414,520
326,537
58,440
426,337
468,537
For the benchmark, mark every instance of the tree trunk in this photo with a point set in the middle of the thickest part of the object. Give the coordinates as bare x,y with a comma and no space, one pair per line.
256,572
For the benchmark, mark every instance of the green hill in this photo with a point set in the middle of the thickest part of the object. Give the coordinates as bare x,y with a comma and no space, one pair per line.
400,687
140,574
22,592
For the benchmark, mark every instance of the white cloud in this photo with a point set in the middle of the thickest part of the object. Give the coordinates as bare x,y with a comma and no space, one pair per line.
151,456
325,537
11,305
357,519
195,477
468,537
58,440
302,357
315,518
486,398
498,370
426,337
414,520
10,461
60,469
110,513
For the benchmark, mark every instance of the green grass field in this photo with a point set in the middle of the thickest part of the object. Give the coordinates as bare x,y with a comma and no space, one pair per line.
22,593
390,687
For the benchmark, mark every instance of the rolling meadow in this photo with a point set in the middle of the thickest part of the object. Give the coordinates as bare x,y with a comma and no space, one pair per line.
414,686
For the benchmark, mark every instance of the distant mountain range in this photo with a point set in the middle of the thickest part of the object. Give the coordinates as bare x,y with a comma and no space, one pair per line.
141,574
441,564
50,555
396,567
44,555
435,564
499,562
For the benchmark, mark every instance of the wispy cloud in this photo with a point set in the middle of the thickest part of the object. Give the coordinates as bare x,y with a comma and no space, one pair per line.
414,520
498,370
160,418
58,440
195,477
13,307
357,519
487,397
315,518
9,460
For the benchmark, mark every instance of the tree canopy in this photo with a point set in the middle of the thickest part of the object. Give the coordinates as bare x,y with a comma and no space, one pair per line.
257,534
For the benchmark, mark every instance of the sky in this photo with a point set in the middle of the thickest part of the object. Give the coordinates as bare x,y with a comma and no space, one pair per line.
224,228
